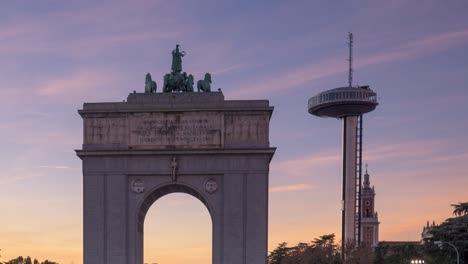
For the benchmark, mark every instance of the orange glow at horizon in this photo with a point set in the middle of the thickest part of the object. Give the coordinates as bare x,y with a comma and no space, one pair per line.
167,230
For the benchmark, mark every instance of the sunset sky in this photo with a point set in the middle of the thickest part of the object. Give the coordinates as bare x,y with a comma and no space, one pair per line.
55,55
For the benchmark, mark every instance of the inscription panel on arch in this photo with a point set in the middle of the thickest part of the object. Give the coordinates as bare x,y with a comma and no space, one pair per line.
186,130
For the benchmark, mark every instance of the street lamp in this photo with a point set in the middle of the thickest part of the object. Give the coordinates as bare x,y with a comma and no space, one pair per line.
440,242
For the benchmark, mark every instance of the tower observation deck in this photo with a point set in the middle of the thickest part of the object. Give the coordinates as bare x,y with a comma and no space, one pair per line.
343,101
349,104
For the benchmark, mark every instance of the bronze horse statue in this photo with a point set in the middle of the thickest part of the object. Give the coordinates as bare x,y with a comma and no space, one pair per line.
189,84
150,85
205,84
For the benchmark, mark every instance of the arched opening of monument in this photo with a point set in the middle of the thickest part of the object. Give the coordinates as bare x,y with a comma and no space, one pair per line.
178,229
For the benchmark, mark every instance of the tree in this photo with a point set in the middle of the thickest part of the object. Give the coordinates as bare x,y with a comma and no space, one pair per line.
362,254
453,230
460,209
280,253
322,250
18,260
396,254
48,262
27,260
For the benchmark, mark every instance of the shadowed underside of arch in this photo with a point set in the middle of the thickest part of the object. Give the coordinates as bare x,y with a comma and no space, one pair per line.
162,191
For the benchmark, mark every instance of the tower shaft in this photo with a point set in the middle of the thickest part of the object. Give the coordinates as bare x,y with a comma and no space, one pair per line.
349,179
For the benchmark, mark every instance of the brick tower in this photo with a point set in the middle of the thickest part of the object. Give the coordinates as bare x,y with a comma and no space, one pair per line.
369,218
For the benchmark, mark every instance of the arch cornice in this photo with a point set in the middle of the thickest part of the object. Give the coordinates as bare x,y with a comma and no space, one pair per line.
84,153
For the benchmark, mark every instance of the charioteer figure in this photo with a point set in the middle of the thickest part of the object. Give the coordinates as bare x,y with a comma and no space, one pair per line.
177,60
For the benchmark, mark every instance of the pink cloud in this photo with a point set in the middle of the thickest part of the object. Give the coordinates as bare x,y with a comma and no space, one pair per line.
36,131
293,188
293,78
106,26
228,69
13,31
94,44
214,57
416,151
448,158
10,93
78,47
440,41
20,175
60,167
303,166
17,37
75,87
72,85
429,44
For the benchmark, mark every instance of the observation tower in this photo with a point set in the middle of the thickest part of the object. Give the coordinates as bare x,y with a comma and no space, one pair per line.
348,104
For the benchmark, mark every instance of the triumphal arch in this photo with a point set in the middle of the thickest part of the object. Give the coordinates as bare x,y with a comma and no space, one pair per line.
179,140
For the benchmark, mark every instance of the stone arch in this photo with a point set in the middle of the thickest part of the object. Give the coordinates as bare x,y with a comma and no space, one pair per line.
164,190
138,139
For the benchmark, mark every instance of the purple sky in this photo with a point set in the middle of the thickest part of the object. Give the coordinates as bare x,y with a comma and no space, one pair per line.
55,55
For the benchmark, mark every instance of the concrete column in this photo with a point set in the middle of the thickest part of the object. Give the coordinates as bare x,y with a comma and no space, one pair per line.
349,177
94,219
233,226
256,218
116,216
217,239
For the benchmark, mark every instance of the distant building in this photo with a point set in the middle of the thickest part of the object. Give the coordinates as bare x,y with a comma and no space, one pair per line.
370,228
426,234
369,217
393,247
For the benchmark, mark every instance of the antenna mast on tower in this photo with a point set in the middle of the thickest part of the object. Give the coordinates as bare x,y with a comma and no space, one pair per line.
350,76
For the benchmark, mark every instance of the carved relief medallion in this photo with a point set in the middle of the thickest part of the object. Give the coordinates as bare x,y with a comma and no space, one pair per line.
211,186
137,186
